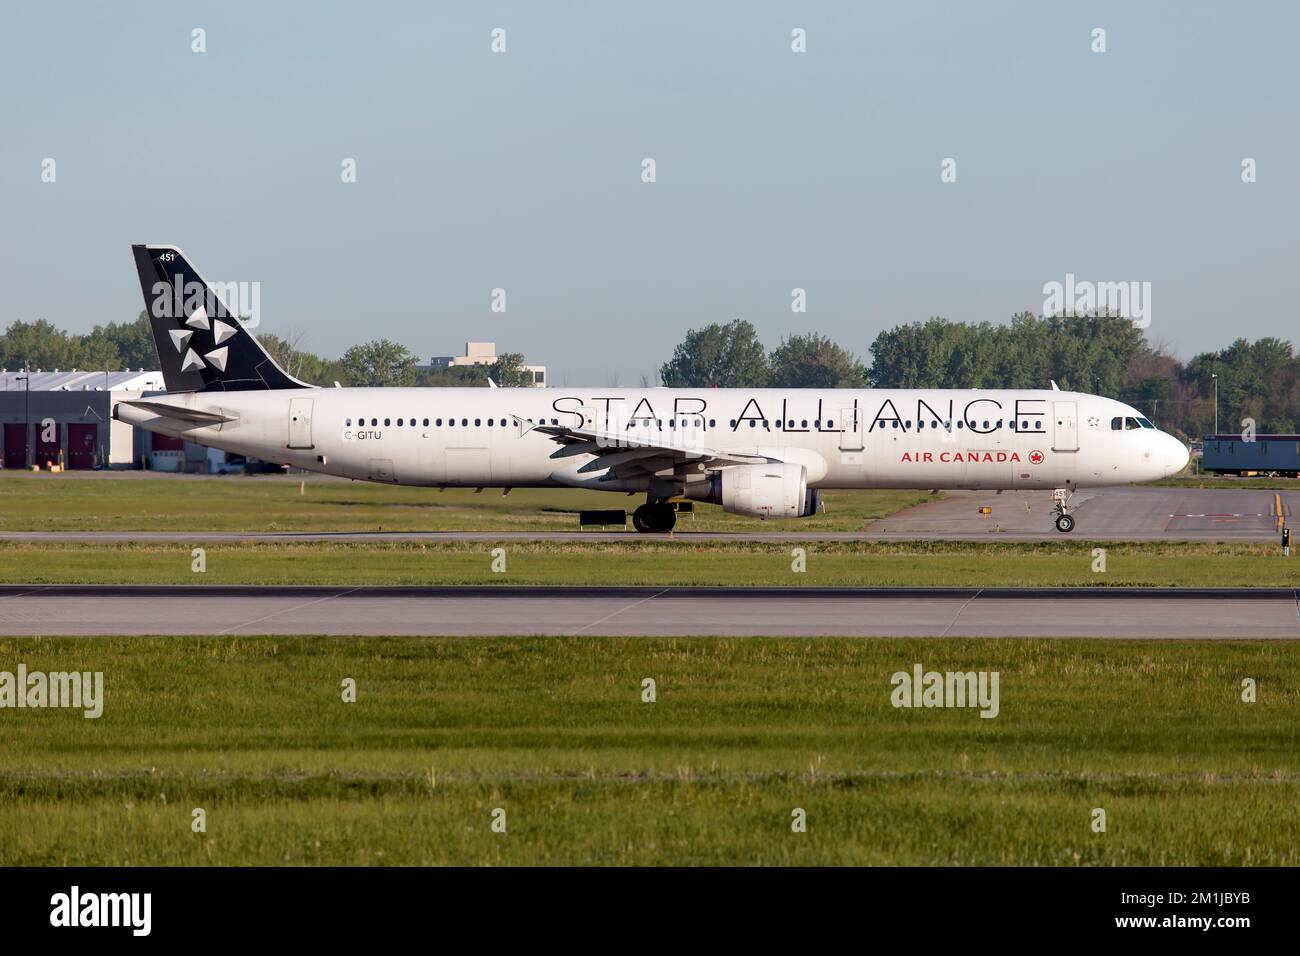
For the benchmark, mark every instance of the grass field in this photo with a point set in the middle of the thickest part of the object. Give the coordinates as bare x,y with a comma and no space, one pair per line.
132,502
554,732
1263,483
656,562
743,731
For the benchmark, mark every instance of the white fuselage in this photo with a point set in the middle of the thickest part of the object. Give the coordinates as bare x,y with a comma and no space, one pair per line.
846,438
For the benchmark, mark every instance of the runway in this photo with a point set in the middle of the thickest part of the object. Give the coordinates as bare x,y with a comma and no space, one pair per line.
1109,514
1134,513
91,610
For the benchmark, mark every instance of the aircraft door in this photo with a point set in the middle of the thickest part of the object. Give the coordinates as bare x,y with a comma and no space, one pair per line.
300,423
850,429
1065,436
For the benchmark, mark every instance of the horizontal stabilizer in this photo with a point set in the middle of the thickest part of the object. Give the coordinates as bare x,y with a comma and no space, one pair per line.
180,413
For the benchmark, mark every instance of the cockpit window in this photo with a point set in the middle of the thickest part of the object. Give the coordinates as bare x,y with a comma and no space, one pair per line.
1116,424
1145,424
1130,424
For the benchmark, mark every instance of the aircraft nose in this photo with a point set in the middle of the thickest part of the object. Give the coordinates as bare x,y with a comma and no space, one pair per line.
1175,455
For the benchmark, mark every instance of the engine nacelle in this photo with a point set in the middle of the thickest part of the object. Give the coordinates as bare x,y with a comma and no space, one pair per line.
776,490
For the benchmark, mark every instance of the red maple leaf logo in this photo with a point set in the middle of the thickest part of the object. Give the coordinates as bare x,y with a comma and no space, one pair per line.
1035,457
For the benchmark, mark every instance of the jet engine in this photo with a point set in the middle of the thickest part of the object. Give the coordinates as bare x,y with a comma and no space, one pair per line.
774,490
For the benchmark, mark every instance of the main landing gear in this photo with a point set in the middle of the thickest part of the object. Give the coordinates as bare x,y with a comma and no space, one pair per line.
654,519
1064,520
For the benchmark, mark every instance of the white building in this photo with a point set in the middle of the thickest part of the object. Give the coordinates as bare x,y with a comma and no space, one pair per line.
484,353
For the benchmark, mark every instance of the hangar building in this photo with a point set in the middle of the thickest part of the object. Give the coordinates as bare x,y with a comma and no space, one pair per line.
65,418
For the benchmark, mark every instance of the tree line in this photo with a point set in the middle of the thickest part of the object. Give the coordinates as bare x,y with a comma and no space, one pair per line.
1105,355
117,347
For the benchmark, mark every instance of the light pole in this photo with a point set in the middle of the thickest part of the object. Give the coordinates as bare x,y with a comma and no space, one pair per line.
1215,376
27,392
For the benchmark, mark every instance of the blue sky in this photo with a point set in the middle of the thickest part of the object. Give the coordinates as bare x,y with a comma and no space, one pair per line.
775,170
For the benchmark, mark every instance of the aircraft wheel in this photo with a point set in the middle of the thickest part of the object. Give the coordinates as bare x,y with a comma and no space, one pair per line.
641,519
654,519
1064,523
665,519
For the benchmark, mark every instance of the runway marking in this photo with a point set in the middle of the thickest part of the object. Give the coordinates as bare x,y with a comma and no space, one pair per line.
622,609
953,622
1239,514
286,610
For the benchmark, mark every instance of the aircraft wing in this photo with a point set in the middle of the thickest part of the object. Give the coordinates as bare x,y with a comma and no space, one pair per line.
627,454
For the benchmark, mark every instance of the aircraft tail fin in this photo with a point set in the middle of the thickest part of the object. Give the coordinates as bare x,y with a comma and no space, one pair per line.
202,345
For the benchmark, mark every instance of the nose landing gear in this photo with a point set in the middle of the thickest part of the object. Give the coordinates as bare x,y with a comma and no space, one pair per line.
1064,520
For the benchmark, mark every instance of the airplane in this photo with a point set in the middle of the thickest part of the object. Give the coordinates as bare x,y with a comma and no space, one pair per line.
761,452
